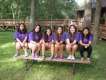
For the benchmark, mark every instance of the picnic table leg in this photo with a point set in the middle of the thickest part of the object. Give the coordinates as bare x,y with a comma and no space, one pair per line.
26,64
73,68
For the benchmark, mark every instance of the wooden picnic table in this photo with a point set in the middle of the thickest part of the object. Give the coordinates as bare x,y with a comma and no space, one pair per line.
73,62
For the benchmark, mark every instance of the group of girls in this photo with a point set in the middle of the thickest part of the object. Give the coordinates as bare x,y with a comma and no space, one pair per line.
56,41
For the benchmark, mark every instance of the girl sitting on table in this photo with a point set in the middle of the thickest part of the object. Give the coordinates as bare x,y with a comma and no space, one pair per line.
85,43
35,41
21,39
59,39
48,42
71,40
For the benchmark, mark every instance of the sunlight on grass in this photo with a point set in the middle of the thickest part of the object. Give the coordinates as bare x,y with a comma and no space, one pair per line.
8,60
6,45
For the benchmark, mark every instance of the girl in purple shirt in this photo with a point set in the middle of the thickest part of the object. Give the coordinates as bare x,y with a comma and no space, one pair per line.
35,41
21,39
85,43
48,42
59,39
71,40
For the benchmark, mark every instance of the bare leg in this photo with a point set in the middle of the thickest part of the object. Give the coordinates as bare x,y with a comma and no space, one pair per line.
74,48
43,49
52,50
56,50
18,47
61,50
68,49
25,49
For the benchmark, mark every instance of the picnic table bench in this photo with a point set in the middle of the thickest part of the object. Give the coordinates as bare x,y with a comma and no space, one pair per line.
73,62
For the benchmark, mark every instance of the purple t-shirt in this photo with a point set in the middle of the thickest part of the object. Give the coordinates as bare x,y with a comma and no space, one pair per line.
49,38
73,37
61,37
34,36
20,36
86,40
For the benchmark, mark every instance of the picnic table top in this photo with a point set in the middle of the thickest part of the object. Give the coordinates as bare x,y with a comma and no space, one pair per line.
78,61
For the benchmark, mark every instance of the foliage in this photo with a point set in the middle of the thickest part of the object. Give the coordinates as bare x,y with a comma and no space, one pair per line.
44,9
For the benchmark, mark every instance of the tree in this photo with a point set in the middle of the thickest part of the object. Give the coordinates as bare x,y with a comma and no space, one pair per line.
32,14
87,15
97,20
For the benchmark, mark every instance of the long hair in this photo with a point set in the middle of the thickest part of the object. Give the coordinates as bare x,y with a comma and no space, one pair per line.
74,28
59,35
89,32
22,31
45,34
33,30
39,33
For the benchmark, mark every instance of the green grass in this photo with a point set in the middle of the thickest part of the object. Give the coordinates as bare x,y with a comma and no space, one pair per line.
11,69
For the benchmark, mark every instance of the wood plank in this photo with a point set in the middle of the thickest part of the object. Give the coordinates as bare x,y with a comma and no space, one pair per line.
78,61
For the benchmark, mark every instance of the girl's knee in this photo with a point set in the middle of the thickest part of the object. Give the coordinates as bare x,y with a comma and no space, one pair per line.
18,46
74,47
68,46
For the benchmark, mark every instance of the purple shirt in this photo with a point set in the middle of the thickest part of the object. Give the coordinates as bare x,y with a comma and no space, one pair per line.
49,38
61,37
21,36
86,40
34,36
73,37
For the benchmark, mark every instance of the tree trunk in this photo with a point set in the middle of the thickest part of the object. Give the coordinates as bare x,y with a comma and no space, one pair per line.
32,14
97,21
87,15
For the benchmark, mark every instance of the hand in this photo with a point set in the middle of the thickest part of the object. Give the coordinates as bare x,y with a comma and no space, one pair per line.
71,44
86,46
61,42
22,44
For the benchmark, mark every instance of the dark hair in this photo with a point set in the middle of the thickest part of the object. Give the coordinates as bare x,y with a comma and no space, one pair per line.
45,34
39,33
22,31
58,35
89,32
46,31
74,28
35,27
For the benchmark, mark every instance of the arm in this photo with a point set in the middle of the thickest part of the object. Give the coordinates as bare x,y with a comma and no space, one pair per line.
74,42
19,41
85,45
25,39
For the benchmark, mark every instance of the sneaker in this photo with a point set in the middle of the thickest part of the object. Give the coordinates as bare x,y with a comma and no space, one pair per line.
72,58
56,57
33,55
88,59
82,59
16,55
61,57
36,56
43,57
51,57
69,57
26,54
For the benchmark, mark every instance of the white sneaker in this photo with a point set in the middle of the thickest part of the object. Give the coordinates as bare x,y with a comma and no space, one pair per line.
82,59
16,55
69,57
26,54
72,58
88,59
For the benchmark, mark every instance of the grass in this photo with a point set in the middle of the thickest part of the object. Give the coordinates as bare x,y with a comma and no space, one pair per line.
11,69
